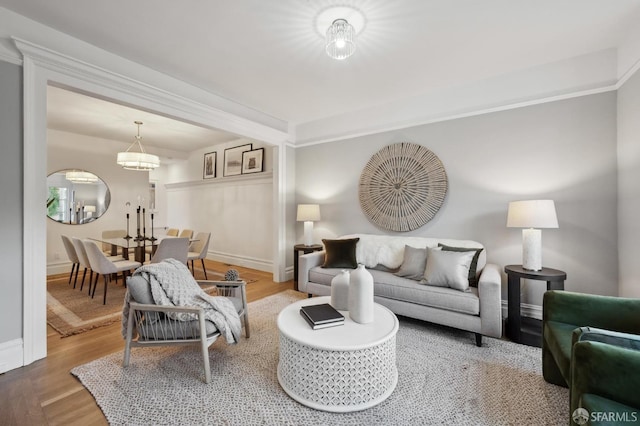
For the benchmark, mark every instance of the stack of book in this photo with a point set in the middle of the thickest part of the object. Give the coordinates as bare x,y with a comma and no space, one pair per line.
321,316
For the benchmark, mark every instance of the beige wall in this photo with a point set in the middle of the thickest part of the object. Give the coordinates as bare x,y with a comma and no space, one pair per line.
563,150
629,186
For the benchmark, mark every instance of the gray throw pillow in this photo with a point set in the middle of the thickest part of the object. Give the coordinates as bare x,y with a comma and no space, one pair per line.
473,276
413,263
448,269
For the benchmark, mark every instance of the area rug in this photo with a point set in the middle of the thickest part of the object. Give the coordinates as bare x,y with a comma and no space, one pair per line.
71,311
443,379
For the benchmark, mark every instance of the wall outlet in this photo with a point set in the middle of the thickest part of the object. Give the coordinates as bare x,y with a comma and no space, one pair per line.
56,256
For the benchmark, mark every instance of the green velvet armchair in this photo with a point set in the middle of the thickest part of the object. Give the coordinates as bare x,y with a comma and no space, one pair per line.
591,344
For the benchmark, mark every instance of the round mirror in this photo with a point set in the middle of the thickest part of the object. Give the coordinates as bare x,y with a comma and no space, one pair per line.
76,197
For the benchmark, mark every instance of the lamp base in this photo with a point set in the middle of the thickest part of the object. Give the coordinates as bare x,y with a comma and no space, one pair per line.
308,233
532,249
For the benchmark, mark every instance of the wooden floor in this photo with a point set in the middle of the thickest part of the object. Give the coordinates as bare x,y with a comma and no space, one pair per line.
45,393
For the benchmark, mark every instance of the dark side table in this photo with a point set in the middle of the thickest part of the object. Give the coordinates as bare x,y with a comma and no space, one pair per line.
296,252
527,330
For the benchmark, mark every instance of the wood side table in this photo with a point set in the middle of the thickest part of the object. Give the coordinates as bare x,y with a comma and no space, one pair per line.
527,330
296,252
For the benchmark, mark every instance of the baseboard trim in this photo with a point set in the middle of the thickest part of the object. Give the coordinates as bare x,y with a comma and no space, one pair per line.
245,261
288,273
526,310
55,268
11,355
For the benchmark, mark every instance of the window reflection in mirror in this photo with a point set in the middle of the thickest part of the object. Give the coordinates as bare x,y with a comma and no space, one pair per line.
76,197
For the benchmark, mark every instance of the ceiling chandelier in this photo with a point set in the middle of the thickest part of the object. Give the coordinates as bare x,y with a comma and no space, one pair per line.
78,176
340,40
137,160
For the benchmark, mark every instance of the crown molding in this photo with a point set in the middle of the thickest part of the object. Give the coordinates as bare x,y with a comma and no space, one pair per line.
155,98
10,57
471,113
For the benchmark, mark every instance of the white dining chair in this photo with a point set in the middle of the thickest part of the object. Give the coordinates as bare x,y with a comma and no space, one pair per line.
84,261
111,233
198,250
73,257
103,266
186,233
176,248
172,232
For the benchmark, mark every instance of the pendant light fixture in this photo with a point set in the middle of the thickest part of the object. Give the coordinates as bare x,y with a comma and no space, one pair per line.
137,160
80,176
340,40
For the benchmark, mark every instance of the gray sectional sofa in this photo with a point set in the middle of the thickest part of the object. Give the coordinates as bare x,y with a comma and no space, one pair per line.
477,310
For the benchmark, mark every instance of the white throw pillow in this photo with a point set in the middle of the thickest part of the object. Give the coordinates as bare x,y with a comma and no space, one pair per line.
448,269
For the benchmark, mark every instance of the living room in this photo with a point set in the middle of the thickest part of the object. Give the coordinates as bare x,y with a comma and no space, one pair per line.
563,128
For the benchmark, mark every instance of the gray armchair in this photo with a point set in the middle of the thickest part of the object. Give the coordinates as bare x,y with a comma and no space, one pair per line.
149,325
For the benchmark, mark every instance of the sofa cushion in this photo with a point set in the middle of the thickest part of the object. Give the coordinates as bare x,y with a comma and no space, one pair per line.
393,287
340,253
448,269
413,263
406,290
473,277
558,336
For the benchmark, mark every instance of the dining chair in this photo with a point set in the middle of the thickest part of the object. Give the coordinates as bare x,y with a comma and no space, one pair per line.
84,261
111,233
172,232
198,250
103,266
73,257
176,248
186,233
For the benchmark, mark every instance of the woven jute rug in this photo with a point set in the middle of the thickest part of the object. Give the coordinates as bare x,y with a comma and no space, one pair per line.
443,379
72,311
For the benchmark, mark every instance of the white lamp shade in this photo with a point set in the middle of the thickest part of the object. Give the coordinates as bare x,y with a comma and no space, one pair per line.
532,214
308,213
138,160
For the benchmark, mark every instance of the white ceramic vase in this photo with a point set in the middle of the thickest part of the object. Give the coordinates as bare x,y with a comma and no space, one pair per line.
361,296
340,291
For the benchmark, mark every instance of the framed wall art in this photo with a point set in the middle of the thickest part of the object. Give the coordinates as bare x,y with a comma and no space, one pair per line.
233,159
209,167
253,161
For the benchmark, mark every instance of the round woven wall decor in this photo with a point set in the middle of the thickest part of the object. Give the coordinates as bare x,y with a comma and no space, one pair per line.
402,187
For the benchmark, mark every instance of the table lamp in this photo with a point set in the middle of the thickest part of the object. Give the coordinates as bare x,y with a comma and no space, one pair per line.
531,215
308,213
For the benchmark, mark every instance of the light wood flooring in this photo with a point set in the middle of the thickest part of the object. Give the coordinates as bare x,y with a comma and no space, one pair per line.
45,393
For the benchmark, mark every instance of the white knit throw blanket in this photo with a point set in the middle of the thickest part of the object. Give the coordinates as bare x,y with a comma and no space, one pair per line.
173,285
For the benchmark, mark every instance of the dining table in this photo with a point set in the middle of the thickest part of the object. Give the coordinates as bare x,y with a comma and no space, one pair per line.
124,246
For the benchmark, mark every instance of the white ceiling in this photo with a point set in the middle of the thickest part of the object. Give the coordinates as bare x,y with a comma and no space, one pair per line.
268,55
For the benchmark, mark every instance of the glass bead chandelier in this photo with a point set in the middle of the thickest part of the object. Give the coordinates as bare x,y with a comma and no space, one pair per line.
340,40
137,160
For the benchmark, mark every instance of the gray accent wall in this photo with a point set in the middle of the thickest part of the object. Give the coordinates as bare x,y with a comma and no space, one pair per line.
564,150
11,201
629,185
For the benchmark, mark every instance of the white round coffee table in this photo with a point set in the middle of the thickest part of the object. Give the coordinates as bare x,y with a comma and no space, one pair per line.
345,368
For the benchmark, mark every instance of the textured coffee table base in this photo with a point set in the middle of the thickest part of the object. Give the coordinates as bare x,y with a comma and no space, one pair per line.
338,381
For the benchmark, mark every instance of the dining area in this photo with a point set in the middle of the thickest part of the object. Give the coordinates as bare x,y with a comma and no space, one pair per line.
115,255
